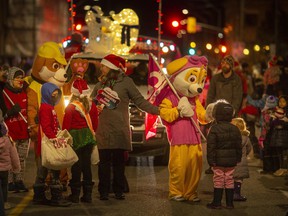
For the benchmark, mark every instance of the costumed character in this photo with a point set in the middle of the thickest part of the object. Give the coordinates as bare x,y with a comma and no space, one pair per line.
187,76
48,66
78,68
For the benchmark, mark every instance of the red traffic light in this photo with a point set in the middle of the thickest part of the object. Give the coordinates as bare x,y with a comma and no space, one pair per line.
78,27
175,23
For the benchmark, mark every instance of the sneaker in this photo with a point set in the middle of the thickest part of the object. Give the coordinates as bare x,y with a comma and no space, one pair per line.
20,187
11,187
178,198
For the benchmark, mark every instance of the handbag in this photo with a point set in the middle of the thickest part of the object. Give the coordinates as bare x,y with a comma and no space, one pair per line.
95,156
58,158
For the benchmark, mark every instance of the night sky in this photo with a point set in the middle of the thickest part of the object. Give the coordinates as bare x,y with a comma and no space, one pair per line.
147,11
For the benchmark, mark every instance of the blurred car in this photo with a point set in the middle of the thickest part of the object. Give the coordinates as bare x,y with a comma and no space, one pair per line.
137,69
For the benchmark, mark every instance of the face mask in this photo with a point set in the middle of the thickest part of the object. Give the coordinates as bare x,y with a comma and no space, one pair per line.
54,100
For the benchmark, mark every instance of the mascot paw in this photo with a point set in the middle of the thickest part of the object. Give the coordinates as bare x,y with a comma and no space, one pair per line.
185,108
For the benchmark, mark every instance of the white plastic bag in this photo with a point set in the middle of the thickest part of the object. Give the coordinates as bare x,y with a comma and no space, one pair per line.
58,158
95,156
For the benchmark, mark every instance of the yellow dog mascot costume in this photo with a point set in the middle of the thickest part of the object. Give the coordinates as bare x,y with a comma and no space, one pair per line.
48,66
187,76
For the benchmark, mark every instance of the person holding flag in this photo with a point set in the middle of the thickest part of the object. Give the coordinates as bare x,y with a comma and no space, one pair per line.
179,115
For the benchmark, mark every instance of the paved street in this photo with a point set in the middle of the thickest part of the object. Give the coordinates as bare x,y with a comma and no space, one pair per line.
267,195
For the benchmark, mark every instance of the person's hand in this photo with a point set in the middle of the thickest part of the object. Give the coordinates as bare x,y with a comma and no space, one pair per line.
14,110
100,108
185,108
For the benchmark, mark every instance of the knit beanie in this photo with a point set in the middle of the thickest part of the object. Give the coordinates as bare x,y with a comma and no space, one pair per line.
230,60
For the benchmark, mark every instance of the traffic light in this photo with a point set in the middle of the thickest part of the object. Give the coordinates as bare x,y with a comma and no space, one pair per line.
175,23
191,25
78,27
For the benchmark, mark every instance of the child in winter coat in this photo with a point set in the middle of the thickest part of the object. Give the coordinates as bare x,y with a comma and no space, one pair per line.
49,126
224,151
270,157
279,134
8,160
241,170
81,120
14,95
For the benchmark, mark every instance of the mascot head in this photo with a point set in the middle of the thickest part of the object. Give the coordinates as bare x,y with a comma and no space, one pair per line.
49,64
188,75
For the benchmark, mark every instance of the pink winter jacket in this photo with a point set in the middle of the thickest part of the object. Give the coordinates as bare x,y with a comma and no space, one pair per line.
9,158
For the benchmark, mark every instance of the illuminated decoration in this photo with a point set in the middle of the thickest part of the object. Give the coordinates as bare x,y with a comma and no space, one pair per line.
267,48
216,50
193,44
78,27
117,35
208,46
125,30
192,51
257,48
223,49
246,51
100,40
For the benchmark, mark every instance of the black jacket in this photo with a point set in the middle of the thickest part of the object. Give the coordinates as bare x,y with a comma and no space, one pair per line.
224,140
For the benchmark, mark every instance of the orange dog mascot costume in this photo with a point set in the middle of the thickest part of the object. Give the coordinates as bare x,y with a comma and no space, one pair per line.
48,66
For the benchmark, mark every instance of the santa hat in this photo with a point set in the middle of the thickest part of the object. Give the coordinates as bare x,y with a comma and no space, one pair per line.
114,62
80,88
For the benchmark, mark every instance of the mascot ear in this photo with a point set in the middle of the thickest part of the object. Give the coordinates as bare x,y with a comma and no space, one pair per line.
176,65
37,66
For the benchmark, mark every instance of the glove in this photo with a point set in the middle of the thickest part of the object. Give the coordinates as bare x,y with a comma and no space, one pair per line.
14,110
185,108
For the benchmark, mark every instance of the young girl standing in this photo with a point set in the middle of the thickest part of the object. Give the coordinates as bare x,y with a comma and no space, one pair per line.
8,160
81,120
241,170
224,151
